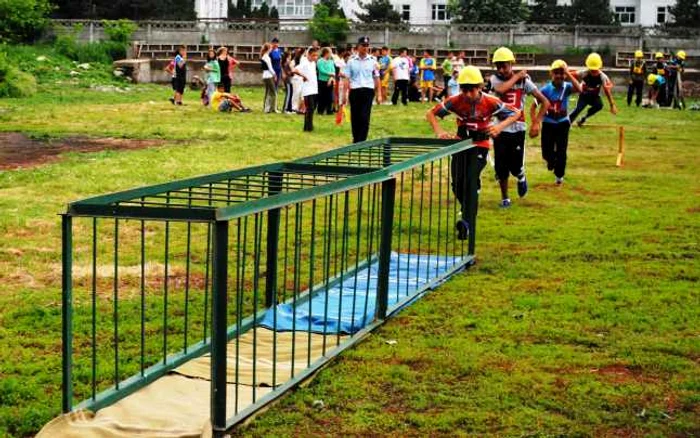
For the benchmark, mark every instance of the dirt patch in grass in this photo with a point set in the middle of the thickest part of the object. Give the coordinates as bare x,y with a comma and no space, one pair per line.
17,151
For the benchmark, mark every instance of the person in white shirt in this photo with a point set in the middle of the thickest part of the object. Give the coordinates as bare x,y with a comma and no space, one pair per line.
309,88
269,78
401,67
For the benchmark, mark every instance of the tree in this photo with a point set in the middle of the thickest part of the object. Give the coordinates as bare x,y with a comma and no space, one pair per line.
326,27
378,11
235,10
686,13
274,13
596,12
488,11
548,12
23,20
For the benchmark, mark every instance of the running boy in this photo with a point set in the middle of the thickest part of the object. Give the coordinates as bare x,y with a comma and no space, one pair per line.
637,73
474,110
509,147
427,71
555,129
593,79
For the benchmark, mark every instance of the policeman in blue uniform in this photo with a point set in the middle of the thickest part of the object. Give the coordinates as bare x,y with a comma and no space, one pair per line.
362,71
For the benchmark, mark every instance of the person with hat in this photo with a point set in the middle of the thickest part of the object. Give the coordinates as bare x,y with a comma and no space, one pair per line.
556,124
474,110
660,69
361,71
657,89
509,147
675,68
592,79
637,75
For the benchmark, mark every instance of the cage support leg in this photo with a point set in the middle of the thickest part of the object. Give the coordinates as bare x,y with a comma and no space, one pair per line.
218,329
388,198
67,310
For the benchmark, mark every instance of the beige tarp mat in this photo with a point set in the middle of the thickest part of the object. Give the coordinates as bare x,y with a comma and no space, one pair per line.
264,354
177,405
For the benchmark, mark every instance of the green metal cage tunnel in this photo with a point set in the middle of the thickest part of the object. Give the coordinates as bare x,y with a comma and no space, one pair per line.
253,279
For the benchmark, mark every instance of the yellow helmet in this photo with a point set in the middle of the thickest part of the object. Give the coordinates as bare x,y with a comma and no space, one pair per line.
503,54
594,61
470,75
681,54
658,55
651,79
558,64
639,54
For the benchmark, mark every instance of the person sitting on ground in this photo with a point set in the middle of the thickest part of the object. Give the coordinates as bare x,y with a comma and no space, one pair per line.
593,80
226,102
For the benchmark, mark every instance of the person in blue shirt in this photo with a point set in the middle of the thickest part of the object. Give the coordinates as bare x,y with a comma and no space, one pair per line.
276,59
361,70
427,80
556,123
657,89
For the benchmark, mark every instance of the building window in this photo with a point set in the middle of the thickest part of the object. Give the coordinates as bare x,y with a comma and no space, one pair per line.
625,14
440,12
663,14
406,12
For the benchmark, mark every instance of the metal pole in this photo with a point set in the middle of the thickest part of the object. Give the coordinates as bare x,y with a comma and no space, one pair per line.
67,309
218,329
273,234
388,197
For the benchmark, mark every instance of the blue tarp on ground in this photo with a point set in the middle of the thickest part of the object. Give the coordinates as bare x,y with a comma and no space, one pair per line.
348,306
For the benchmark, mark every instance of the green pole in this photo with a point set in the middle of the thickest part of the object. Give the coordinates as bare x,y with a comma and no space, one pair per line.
218,329
67,309
388,197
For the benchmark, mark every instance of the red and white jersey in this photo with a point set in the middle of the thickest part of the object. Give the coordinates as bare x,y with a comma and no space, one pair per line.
514,97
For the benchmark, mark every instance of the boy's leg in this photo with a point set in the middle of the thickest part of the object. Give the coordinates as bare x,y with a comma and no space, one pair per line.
395,94
596,105
476,161
580,105
562,142
516,161
501,152
310,103
630,91
430,92
547,144
404,91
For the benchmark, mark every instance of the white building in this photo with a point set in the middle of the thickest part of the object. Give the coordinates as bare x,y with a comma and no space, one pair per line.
628,12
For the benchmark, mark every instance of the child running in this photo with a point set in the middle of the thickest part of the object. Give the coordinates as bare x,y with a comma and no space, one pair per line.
593,79
637,74
427,78
555,129
509,147
474,110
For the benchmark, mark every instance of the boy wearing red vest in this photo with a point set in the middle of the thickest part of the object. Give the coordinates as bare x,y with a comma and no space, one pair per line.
474,111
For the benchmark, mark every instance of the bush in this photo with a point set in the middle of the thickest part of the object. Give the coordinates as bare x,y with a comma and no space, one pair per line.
23,20
119,31
13,82
326,27
104,52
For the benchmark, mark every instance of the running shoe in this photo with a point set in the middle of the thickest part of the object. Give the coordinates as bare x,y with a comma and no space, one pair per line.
522,187
580,122
559,181
462,227
505,203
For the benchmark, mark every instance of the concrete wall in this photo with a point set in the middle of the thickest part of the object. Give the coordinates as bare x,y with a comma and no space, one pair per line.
552,39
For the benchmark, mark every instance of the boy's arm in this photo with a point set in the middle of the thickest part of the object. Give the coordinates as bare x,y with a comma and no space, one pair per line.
495,130
536,120
510,83
437,129
607,88
572,78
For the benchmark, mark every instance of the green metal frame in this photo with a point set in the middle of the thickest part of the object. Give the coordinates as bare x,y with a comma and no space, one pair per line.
341,170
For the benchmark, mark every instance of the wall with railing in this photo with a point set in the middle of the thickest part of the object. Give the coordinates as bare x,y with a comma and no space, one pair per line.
551,38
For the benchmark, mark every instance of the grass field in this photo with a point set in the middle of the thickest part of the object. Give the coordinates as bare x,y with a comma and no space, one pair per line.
581,317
